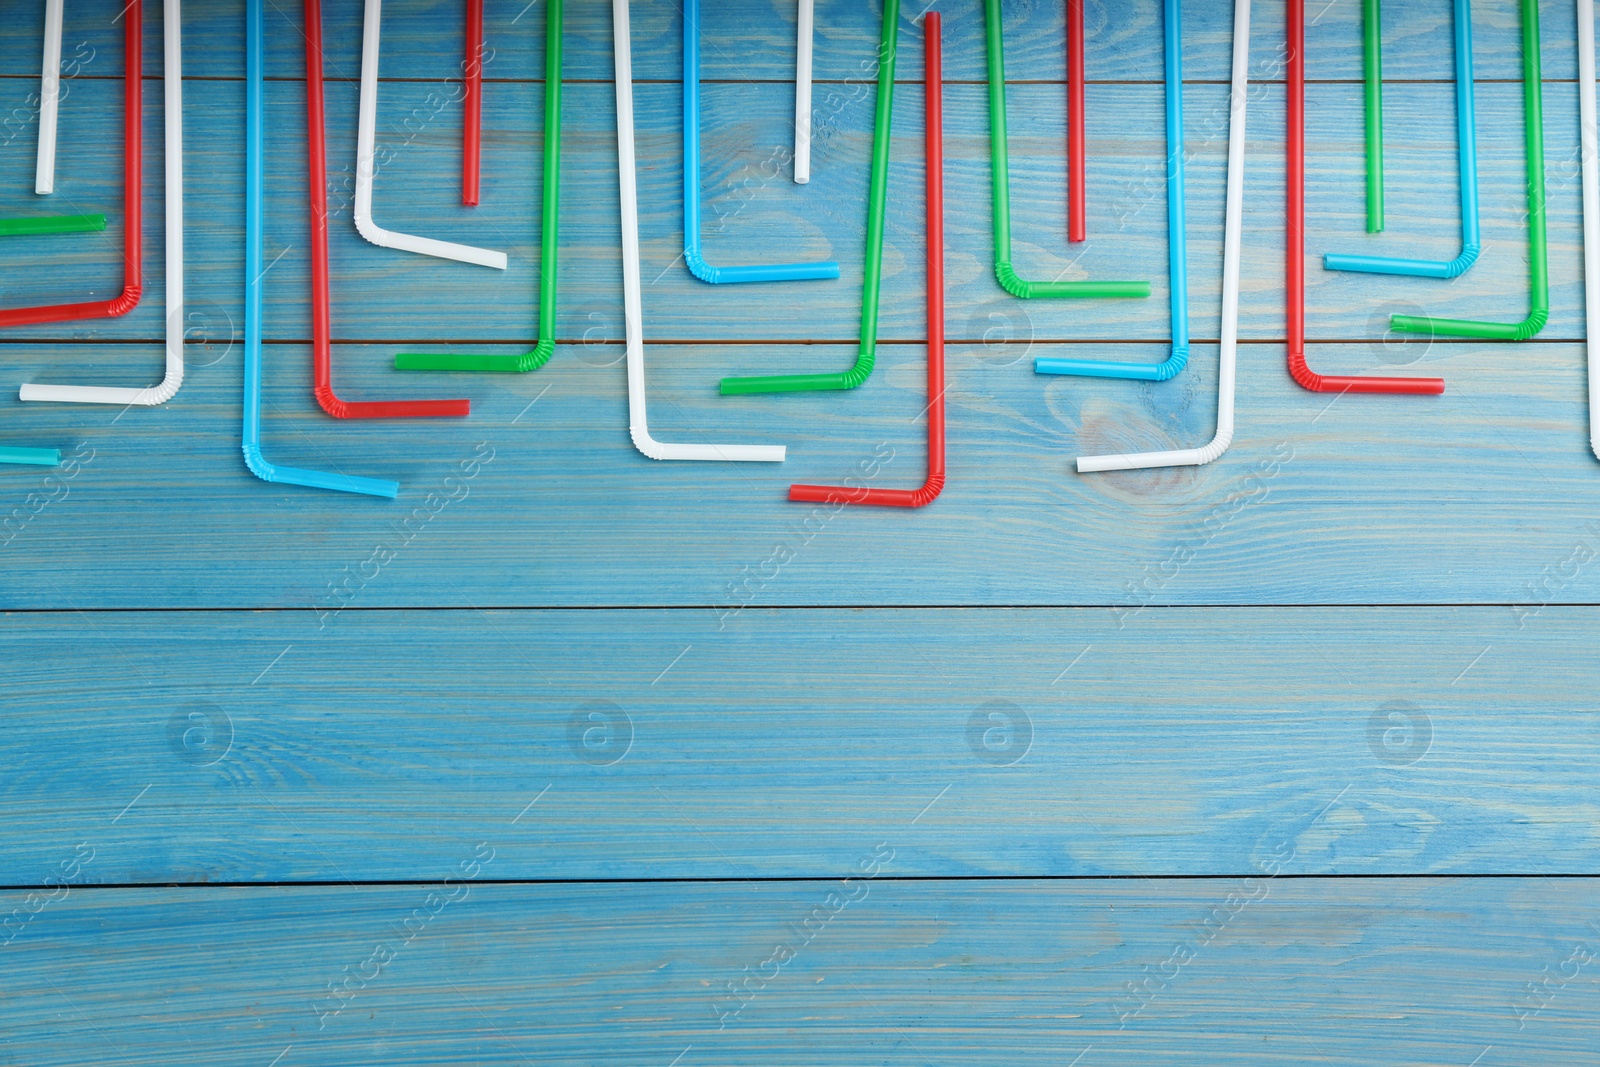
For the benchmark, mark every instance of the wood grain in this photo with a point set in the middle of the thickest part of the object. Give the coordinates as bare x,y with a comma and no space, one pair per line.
1478,496
1288,971
368,745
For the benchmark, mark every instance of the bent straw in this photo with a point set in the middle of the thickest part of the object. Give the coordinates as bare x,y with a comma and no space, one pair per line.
771,272
1077,151
1233,227
1591,209
802,92
1294,239
322,328
172,148
1177,232
255,178
627,182
546,346
1538,255
472,106
132,176
934,153
366,140
1467,168
47,224
872,273
44,177
1000,170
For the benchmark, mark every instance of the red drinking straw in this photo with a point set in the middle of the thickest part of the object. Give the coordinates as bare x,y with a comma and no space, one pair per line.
916,498
1077,211
472,130
132,177
322,331
1294,241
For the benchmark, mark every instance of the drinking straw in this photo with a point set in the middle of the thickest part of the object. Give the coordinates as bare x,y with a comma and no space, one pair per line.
1467,165
322,329
366,141
872,273
1000,170
31,457
772,272
802,92
627,182
1538,265
1177,233
255,178
934,152
1077,150
44,178
132,176
172,142
44,182
45,224
1372,99
1232,239
546,346
472,105
1294,240
1591,208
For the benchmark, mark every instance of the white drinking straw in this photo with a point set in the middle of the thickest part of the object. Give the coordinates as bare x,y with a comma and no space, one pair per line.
1591,208
802,95
366,141
172,79
44,179
633,306
1233,227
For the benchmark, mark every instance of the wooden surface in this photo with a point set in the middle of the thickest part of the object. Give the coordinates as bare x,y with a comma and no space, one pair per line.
1422,971
1287,759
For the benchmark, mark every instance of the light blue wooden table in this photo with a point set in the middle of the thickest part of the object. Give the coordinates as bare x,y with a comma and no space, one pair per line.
556,765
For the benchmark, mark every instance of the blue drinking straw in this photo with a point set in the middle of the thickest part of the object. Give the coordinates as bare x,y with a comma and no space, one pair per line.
1177,241
33,457
776,272
1467,141
255,169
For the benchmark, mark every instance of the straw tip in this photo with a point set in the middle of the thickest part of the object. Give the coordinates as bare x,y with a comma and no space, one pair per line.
31,457
808,494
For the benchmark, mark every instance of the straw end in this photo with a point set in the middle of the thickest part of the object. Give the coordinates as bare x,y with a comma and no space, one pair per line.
31,457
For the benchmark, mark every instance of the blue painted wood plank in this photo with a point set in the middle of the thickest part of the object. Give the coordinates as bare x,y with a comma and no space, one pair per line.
755,213
1302,972
755,39
1476,496
330,745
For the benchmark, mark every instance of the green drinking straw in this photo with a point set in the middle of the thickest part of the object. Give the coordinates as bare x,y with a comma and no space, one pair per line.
528,361
877,197
52,224
1372,70
1538,257
1003,270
